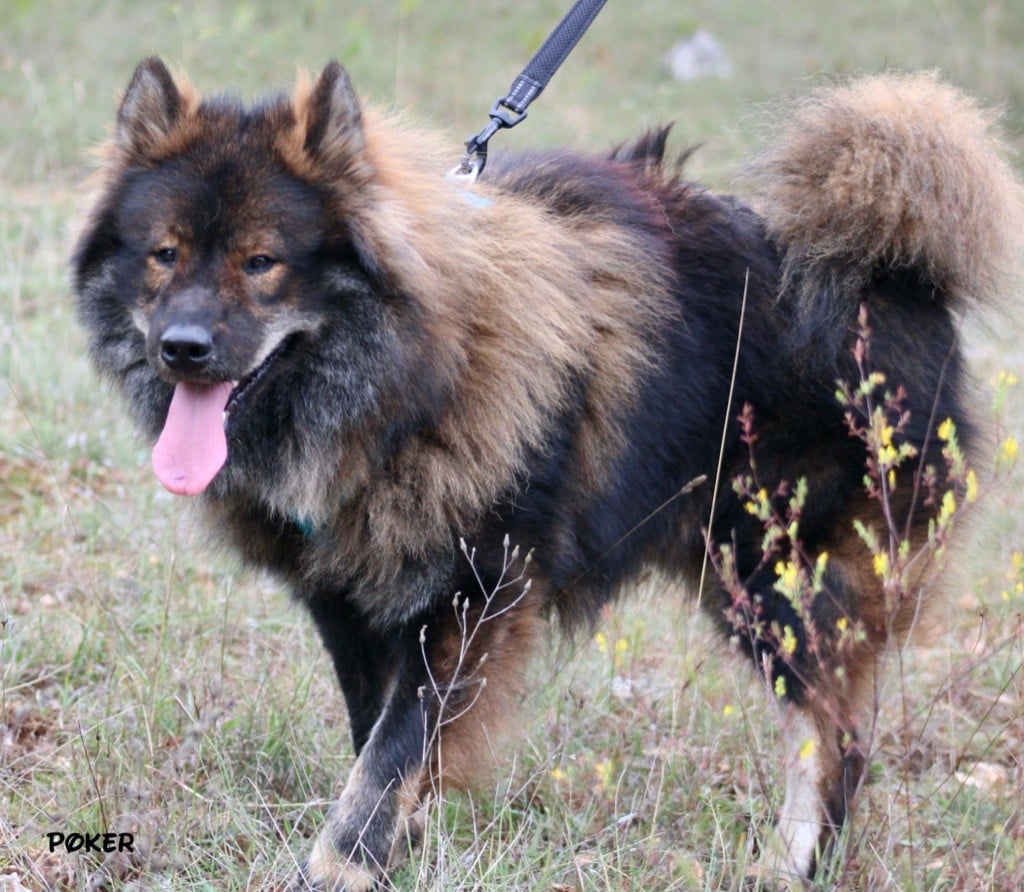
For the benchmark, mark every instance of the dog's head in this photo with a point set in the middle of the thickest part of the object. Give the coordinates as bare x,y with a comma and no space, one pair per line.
375,339
222,239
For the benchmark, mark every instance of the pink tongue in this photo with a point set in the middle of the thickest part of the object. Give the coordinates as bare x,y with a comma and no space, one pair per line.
192,447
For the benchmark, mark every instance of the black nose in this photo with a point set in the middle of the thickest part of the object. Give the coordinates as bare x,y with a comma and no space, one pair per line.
186,347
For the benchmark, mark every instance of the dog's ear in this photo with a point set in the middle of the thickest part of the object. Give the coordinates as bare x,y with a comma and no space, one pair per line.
150,109
333,122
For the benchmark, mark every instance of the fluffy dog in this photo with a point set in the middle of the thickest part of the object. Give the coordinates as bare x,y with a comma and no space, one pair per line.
445,414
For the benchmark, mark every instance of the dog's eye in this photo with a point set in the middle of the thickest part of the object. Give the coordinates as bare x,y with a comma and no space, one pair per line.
166,256
258,263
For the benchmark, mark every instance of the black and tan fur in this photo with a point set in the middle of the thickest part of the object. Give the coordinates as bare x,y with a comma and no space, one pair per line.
435,385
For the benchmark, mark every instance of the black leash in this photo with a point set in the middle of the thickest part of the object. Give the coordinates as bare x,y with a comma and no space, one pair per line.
511,109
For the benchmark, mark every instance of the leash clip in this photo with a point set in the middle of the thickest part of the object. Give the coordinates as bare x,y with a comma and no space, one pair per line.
503,117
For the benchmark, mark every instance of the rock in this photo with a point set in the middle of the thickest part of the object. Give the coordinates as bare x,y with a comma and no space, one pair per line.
698,57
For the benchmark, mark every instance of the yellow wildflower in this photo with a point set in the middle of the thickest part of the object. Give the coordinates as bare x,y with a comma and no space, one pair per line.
788,640
948,507
788,574
972,486
621,646
605,772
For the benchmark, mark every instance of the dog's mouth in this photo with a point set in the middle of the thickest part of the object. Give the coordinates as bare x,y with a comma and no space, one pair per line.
248,384
192,447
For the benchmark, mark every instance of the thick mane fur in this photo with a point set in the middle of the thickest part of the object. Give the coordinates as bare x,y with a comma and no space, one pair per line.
504,327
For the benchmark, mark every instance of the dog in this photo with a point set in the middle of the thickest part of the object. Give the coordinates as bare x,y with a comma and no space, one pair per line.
446,414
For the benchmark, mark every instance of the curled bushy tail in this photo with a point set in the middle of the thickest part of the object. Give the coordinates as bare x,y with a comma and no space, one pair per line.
889,175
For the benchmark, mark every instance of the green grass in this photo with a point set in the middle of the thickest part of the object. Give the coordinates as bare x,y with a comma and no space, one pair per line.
146,684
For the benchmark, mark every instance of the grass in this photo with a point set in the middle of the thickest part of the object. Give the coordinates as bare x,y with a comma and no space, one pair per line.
146,684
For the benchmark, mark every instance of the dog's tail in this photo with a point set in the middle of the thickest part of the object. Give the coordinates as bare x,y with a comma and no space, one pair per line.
889,176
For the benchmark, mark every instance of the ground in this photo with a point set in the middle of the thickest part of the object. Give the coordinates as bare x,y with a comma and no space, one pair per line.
147,686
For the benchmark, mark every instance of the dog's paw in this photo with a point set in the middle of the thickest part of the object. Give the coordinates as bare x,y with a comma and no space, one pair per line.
777,868
348,879
767,878
326,870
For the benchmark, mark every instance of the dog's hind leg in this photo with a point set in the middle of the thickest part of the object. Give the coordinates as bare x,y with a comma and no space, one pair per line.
445,682
816,671
822,767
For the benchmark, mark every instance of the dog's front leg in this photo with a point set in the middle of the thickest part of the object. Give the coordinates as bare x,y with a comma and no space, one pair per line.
364,658
427,700
365,824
